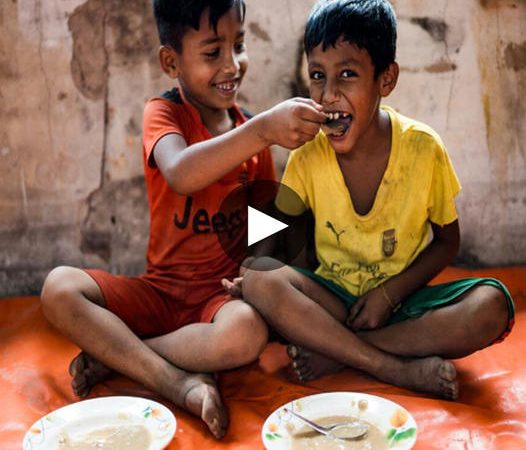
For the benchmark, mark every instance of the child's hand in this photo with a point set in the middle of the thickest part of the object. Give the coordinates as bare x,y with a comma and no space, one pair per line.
234,287
370,311
292,122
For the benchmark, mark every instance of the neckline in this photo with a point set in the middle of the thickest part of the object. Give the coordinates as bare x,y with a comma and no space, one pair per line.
234,113
379,198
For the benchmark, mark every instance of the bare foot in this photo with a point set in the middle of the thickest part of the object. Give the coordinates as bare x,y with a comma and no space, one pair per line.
87,372
433,375
307,365
199,395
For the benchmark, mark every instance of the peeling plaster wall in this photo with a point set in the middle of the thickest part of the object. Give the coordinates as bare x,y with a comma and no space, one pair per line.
74,77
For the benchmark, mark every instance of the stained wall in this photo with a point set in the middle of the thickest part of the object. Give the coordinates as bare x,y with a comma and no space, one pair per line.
74,76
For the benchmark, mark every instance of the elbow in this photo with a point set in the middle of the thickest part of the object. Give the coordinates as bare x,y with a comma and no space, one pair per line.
179,183
181,188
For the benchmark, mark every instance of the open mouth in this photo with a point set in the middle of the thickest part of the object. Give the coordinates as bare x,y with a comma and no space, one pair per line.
337,123
227,87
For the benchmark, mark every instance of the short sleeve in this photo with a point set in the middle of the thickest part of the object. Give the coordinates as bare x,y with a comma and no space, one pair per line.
159,120
293,179
443,189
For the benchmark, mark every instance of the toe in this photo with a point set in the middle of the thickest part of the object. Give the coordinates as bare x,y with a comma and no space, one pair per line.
214,414
301,369
447,371
77,365
293,351
307,375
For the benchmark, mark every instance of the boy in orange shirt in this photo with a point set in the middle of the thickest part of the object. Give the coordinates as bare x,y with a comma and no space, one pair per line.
171,327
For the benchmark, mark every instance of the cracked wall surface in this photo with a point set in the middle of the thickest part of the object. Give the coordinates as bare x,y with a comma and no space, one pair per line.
74,77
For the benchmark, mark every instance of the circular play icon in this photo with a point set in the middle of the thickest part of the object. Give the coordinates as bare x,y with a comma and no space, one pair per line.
271,220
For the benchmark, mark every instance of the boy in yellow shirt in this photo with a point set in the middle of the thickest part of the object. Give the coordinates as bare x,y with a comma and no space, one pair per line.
378,183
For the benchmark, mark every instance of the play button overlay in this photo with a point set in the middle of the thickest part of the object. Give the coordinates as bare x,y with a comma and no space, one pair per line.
263,218
261,226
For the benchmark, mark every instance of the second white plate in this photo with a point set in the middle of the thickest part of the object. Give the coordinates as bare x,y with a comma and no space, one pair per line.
394,421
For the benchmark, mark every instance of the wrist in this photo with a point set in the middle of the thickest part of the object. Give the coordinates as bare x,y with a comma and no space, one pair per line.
260,123
393,302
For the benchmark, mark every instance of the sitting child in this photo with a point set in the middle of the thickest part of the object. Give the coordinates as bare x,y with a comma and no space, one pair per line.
377,183
171,327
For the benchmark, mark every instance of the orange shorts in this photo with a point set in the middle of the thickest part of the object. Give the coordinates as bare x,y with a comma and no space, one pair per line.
153,305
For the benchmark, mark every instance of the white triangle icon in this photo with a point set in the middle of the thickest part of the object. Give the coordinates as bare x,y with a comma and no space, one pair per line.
261,225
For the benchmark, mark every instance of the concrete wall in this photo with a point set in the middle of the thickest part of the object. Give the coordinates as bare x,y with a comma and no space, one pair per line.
74,76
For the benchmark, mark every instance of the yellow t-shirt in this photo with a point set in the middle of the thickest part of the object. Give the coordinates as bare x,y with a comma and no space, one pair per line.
419,185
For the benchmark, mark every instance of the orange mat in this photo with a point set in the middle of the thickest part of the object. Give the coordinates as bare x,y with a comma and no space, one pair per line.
490,413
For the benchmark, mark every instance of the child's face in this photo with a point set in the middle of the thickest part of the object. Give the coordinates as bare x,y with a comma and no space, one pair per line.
342,80
211,66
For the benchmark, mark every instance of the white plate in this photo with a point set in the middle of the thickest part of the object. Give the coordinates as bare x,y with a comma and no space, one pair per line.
394,421
82,417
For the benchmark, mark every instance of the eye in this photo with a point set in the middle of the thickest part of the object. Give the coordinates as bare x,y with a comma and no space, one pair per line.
239,47
348,73
316,75
212,54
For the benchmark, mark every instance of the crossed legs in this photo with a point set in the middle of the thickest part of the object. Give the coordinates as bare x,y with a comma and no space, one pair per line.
312,318
173,365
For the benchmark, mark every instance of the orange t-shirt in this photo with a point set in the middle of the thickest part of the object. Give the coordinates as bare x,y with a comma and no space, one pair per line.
183,229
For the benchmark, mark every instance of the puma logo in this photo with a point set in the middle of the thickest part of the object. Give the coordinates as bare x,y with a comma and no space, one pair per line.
330,226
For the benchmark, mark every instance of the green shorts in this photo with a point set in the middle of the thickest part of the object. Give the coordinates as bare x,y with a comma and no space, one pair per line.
425,299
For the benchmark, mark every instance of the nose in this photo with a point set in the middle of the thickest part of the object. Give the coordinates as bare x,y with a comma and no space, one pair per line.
231,63
331,93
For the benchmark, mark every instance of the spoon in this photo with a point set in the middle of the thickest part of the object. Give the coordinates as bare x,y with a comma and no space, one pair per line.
338,430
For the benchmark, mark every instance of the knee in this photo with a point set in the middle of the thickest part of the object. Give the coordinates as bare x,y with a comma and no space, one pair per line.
57,289
497,307
245,344
258,285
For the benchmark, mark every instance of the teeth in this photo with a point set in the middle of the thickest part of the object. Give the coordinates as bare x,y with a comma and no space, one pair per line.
226,86
336,115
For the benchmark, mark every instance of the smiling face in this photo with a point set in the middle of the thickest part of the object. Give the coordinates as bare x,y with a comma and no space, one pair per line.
211,64
342,81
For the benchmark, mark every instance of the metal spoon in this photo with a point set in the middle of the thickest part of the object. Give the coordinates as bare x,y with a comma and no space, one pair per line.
338,430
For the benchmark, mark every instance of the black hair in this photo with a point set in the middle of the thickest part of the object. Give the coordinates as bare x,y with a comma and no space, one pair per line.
174,17
370,24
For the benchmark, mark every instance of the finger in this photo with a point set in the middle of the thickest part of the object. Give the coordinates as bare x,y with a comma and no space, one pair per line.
312,114
358,323
302,138
353,312
307,127
229,286
308,101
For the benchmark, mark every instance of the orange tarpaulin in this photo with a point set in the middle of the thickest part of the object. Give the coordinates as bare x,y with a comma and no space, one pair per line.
490,413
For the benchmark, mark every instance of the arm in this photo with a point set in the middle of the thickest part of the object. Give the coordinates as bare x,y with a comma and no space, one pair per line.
373,309
436,256
289,124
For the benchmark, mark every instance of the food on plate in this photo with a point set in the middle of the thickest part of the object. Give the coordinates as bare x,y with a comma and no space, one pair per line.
124,437
305,438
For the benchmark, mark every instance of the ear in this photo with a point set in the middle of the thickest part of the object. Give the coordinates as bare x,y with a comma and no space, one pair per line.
169,61
388,79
